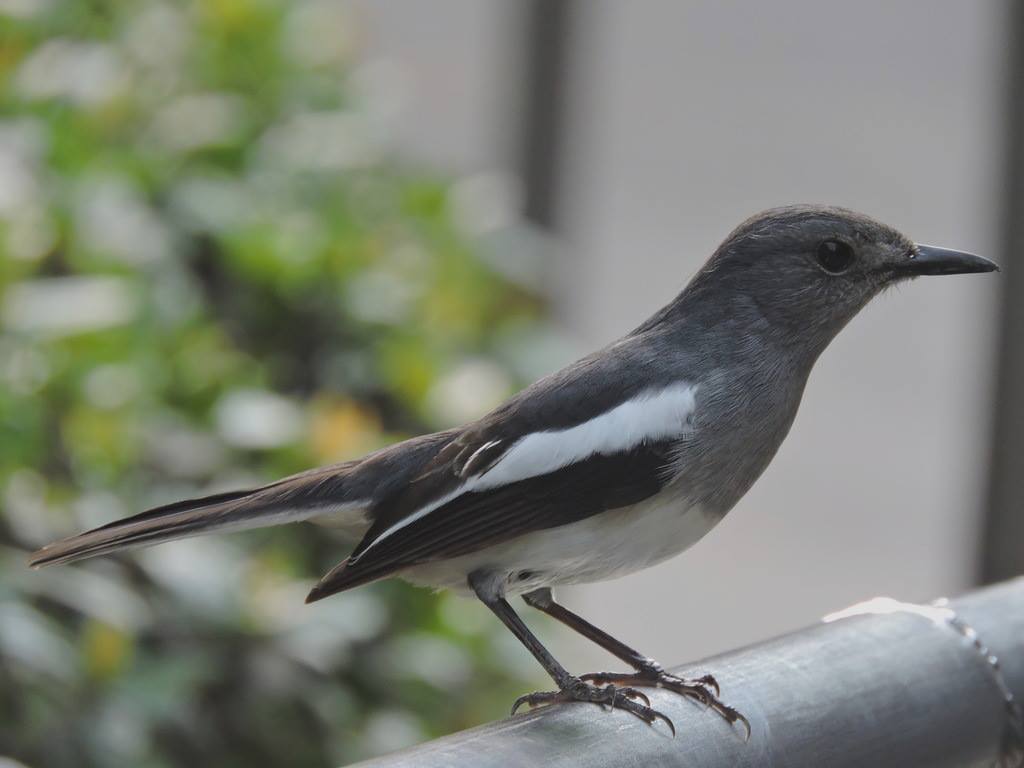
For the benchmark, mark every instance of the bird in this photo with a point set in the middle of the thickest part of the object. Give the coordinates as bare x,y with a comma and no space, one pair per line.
620,460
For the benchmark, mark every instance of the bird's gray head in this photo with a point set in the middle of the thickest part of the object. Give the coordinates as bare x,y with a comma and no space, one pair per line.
804,271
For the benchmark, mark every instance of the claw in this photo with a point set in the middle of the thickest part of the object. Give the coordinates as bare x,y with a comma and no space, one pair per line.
655,714
732,715
704,690
647,714
669,723
632,693
710,682
519,702
535,699
609,703
608,696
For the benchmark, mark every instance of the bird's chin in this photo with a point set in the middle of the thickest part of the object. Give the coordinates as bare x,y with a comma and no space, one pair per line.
888,277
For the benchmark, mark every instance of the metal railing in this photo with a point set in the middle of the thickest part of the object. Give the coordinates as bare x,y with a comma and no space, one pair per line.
882,685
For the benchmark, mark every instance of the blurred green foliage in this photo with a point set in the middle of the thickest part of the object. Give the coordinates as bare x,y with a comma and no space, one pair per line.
213,273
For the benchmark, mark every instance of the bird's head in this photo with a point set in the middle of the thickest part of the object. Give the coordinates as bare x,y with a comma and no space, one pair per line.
807,270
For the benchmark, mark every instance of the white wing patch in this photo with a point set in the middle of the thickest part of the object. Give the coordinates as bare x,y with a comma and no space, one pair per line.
651,415
647,417
469,462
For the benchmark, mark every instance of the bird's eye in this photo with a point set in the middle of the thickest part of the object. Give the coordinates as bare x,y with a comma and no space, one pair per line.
835,256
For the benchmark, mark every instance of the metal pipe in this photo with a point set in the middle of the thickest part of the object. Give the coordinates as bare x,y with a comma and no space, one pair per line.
1002,555
548,34
898,686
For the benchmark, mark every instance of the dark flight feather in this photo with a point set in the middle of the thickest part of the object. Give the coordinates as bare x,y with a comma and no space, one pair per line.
478,519
306,495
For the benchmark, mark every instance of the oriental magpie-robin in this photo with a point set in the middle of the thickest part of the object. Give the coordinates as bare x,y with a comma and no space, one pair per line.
623,459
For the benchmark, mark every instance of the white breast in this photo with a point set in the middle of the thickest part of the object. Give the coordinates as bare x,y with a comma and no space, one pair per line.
601,547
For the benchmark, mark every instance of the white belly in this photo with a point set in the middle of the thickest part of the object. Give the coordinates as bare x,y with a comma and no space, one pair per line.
601,547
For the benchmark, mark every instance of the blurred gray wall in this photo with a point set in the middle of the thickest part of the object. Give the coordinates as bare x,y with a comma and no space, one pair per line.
684,118
454,67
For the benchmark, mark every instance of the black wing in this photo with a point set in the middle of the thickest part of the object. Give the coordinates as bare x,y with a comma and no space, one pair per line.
472,518
478,519
572,396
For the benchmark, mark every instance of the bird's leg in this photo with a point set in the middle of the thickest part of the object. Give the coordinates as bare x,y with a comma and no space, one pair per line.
570,687
649,673
543,600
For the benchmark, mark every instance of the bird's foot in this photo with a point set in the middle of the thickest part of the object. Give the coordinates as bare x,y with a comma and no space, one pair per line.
610,696
652,675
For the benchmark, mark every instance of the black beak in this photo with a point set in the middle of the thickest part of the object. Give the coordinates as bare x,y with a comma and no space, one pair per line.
931,260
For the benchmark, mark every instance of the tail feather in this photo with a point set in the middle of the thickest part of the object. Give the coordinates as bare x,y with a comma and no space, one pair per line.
345,576
342,494
178,506
286,501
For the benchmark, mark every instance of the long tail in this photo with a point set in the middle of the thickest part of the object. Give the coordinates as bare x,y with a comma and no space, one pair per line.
342,495
286,501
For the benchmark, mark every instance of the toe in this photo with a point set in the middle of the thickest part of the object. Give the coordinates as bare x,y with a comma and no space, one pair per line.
525,698
633,693
709,682
535,699
649,715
